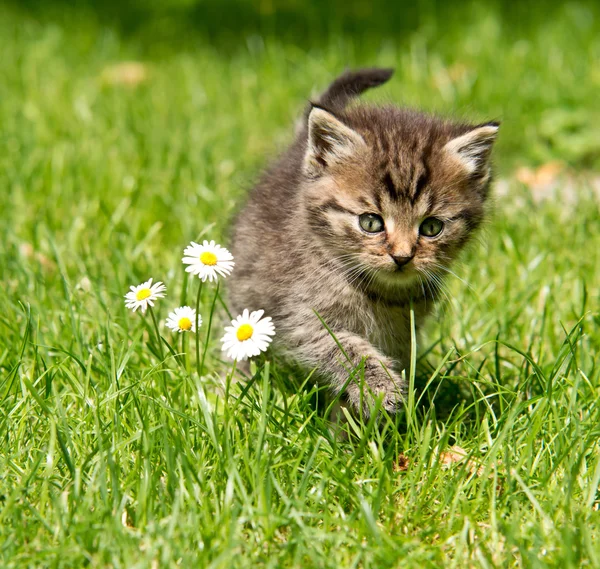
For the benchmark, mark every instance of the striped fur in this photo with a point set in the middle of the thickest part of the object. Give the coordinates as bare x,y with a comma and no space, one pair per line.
302,256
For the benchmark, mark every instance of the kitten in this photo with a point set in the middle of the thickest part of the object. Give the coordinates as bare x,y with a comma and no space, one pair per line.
358,220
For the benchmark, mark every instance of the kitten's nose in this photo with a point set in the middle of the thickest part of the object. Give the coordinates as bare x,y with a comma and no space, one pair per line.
401,260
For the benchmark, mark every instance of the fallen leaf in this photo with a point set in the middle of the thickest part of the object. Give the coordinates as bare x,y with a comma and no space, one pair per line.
29,252
130,73
456,455
401,464
26,249
542,182
545,175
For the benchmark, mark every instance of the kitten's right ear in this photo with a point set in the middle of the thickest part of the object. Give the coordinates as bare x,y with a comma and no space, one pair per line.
330,142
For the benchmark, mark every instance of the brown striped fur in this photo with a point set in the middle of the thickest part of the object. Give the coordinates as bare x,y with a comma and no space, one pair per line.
300,251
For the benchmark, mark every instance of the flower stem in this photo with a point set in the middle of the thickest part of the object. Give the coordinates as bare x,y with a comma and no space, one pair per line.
185,351
210,318
197,330
161,352
159,339
229,379
184,287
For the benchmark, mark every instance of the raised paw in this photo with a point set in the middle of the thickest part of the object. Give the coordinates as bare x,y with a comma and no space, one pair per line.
378,383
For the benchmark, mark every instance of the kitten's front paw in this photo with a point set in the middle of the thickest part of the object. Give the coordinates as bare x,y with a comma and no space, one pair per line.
378,383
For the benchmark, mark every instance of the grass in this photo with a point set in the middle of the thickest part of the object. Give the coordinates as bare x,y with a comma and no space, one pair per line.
105,183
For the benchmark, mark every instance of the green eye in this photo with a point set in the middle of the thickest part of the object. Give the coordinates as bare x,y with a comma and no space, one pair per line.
370,222
431,227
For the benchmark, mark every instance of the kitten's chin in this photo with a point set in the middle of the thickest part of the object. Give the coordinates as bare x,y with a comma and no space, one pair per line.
395,279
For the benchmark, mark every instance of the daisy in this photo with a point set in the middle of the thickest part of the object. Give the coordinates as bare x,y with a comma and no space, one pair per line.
208,261
248,336
145,294
183,319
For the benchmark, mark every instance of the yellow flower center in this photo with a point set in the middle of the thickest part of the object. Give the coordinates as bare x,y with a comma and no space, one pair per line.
143,294
244,332
184,323
208,258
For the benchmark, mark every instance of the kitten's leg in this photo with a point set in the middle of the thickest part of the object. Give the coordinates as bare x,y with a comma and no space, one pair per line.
321,351
338,421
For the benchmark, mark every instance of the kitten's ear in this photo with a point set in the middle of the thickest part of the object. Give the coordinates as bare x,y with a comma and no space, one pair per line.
330,141
474,148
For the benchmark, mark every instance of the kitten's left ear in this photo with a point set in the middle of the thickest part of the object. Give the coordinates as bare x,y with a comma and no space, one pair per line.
474,148
330,142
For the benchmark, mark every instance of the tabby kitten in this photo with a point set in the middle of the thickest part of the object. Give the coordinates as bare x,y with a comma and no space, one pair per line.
358,220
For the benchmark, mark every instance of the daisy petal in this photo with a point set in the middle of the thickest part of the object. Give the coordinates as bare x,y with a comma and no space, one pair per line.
248,335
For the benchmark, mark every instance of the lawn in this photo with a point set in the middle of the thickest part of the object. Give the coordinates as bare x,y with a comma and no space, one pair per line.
113,456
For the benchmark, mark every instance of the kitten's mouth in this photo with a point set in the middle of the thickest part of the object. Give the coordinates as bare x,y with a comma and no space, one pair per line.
403,274
388,277
399,276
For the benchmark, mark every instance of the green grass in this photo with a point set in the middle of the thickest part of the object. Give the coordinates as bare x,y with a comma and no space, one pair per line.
102,187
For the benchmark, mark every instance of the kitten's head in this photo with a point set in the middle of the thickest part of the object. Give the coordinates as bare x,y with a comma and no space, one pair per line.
393,194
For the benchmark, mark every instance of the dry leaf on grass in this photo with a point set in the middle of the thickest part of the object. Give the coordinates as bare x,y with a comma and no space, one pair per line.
456,455
542,182
401,464
28,251
130,73
550,181
542,176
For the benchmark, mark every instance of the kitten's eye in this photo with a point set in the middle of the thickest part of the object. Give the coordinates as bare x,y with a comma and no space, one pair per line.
431,227
370,222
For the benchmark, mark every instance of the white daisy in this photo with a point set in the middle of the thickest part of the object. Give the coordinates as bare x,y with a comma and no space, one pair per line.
143,295
208,261
183,319
248,336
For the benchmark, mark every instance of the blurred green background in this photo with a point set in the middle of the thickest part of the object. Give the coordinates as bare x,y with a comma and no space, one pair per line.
218,85
129,128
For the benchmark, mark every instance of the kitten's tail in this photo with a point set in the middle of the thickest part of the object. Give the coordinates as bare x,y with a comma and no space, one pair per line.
351,84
